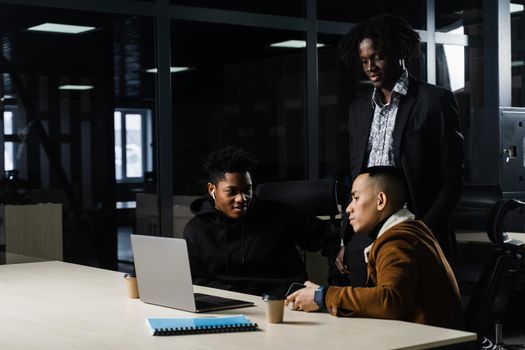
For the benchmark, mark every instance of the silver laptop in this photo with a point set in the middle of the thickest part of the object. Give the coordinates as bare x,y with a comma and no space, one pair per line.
164,278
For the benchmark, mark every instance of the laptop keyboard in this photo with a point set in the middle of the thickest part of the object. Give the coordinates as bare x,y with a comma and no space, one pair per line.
204,301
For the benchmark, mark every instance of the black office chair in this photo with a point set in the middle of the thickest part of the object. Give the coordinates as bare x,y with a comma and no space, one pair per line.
489,302
315,197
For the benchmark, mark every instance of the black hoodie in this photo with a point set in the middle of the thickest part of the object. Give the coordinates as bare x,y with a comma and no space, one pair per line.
255,254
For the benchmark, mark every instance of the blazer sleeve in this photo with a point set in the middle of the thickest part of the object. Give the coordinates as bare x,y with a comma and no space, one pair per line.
450,153
392,295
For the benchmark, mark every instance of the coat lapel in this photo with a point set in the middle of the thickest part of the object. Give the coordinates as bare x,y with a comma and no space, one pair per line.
363,126
405,107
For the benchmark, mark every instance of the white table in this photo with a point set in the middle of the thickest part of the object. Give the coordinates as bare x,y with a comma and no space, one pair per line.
56,305
473,236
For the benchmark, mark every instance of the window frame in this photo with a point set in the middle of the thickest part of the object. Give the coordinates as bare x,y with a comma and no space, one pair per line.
147,140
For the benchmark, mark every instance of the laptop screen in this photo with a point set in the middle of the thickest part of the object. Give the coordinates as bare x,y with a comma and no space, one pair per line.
164,276
163,271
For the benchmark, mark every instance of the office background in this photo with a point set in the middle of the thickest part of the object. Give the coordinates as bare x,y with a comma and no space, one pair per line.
162,83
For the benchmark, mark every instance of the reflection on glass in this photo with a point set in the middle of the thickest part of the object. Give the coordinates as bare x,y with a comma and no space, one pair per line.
118,146
518,52
133,145
451,14
455,63
8,122
516,8
353,11
250,95
9,156
282,8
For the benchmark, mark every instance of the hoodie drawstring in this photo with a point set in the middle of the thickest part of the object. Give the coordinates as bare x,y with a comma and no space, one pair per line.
243,249
226,246
242,242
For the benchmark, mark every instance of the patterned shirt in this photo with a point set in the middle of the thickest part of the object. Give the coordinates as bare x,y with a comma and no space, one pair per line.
380,142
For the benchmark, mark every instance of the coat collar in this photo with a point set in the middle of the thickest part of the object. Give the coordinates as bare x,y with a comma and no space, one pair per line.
405,107
396,218
400,88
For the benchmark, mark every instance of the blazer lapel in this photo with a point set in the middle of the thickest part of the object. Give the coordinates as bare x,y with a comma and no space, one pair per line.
405,107
363,126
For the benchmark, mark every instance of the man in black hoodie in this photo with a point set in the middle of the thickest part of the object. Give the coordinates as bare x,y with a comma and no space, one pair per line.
239,242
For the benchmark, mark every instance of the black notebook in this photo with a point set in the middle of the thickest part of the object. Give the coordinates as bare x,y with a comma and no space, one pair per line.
197,325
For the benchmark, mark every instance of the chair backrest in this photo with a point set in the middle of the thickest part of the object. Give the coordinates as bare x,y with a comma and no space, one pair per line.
315,197
493,291
492,294
475,205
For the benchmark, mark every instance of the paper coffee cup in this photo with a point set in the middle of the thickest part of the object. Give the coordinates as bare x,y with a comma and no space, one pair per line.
131,285
274,308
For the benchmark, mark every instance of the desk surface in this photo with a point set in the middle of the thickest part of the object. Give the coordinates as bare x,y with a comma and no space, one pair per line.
56,305
473,236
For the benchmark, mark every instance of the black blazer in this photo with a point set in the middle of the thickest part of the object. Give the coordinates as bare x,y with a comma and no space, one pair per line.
428,147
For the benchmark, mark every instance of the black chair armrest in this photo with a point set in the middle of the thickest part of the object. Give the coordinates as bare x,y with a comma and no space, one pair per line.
497,219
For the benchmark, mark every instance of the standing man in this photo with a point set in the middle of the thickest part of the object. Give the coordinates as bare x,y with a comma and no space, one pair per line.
406,123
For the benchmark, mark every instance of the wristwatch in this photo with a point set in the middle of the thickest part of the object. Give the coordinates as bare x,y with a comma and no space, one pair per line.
319,295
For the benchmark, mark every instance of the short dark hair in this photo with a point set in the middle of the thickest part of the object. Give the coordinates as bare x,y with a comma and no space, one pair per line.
391,181
231,159
389,33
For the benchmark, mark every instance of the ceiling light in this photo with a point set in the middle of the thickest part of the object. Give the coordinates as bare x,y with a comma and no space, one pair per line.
172,69
61,28
517,63
75,87
516,8
293,44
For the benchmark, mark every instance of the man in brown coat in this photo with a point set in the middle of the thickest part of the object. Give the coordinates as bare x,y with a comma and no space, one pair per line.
408,279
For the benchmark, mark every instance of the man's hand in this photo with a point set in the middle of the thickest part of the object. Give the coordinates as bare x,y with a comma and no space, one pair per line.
303,299
339,262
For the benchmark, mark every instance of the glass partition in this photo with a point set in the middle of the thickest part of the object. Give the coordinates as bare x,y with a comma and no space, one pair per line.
294,8
353,11
243,86
64,72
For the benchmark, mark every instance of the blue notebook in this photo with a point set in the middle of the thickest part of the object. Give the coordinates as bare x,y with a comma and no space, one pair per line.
197,325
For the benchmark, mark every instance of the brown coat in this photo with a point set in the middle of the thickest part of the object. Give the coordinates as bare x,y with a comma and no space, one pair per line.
409,279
